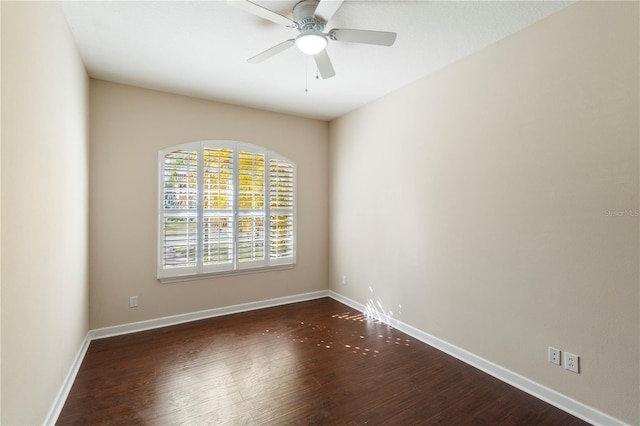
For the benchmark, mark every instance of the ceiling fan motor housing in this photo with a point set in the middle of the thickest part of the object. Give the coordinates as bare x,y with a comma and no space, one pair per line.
303,14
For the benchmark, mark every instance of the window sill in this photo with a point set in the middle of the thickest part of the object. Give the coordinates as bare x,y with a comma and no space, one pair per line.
192,277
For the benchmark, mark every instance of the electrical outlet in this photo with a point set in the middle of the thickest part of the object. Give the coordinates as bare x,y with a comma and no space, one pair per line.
344,280
554,355
133,301
572,362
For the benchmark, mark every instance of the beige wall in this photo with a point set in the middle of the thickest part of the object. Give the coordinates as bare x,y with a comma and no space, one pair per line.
472,204
44,208
128,127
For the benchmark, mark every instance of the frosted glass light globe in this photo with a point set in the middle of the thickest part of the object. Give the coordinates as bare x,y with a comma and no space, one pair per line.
311,43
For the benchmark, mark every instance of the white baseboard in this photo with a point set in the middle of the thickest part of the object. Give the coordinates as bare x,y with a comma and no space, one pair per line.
209,313
58,403
554,398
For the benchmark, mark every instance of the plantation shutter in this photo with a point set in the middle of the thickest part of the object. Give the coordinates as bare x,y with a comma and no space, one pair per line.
224,206
281,203
179,219
251,208
217,208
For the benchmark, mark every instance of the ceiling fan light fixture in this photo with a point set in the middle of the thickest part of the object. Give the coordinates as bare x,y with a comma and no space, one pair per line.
311,43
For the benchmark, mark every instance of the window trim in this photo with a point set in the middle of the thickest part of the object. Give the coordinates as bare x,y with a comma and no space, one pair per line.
201,271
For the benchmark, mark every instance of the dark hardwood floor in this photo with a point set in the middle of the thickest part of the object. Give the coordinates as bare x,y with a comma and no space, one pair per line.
316,362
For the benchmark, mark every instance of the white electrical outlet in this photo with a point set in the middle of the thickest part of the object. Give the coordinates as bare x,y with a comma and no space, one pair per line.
554,355
572,362
133,301
344,280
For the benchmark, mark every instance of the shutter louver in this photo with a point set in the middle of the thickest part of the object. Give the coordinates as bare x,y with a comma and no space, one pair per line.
179,227
281,184
281,236
251,181
180,176
250,238
180,241
217,206
251,194
281,193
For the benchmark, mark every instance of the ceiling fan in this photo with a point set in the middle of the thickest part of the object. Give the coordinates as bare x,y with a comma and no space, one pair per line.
310,18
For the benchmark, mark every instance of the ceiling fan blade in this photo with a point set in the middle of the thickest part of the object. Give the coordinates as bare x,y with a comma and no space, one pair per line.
272,51
381,38
262,12
324,64
327,8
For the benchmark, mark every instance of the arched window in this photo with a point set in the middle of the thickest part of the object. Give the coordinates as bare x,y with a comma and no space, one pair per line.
224,207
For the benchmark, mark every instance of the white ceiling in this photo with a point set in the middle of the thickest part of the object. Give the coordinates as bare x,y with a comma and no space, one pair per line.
200,48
